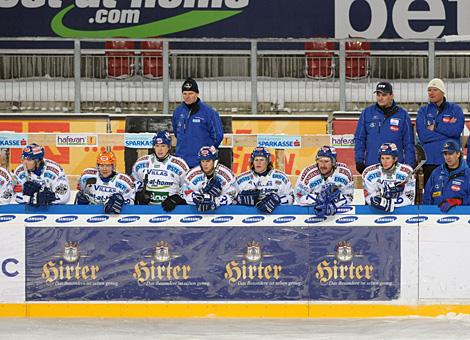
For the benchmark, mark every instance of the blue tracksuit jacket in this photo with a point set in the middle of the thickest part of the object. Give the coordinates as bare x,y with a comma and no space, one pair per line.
447,125
444,184
193,130
373,129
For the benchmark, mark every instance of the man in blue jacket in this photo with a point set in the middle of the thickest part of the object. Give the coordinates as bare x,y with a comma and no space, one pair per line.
437,122
195,124
449,184
383,122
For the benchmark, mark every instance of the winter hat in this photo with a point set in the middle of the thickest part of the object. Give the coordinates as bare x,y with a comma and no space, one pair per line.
438,84
190,85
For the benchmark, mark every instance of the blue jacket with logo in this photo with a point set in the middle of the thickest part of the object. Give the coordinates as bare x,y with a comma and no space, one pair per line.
374,129
447,125
444,184
193,130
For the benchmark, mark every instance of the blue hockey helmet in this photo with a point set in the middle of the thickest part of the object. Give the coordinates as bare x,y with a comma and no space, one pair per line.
260,151
33,151
327,151
207,153
388,149
162,137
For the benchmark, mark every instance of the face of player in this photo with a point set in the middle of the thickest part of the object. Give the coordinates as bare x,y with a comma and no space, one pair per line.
384,99
189,97
387,161
29,164
161,150
325,165
435,95
260,164
105,170
452,159
207,165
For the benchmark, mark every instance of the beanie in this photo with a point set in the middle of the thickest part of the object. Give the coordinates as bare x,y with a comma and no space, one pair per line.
190,85
438,84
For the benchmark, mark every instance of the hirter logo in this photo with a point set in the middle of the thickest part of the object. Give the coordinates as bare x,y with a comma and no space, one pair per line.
394,128
455,187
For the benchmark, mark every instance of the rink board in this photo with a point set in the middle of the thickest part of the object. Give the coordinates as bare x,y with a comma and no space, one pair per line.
77,262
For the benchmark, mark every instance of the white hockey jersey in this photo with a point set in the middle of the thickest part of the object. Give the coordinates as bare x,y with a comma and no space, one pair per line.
51,176
275,181
164,178
311,183
196,180
98,191
374,178
6,186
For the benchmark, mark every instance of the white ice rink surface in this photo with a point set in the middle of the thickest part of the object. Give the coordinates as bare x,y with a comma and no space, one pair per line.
445,327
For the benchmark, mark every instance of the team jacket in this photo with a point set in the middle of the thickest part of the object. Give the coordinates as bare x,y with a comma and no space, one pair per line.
196,180
447,125
373,129
374,179
275,181
98,191
51,176
196,129
6,186
311,182
444,184
164,178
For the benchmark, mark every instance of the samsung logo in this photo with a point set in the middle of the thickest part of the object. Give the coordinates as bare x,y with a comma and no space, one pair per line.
191,219
160,219
386,219
129,219
253,219
315,219
97,219
284,219
7,218
416,219
342,210
347,219
66,219
222,219
448,219
35,219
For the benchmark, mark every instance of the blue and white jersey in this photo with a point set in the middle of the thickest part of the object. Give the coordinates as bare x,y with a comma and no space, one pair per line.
196,180
50,175
98,191
311,183
6,186
375,177
164,178
275,181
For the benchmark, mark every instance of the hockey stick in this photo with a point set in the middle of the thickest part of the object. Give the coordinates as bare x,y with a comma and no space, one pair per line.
420,154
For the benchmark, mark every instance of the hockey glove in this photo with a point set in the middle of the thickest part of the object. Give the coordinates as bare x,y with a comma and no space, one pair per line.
213,187
142,197
329,194
45,197
269,203
449,203
393,190
382,203
114,204
360,167
81,198
170,203
248,197
204,202
328,209
30,188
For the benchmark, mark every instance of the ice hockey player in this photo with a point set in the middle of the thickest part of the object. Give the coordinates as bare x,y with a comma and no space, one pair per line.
449,184
209,185
6,186
263,186
326,185
103,185
39,181
159,176
388,184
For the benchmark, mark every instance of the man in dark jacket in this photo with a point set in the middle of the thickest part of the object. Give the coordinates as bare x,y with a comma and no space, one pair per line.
383,122
437,122
195,124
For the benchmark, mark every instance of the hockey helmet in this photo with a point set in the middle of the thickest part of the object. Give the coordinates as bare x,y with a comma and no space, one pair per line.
33,151
260,151
327,151
162,137
106,158
207,153
388,149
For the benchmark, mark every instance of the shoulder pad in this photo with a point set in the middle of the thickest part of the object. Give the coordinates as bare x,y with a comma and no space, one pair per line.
180,162
370,168
126,179
19,169
90,171
143,158
4,173
281,175
308,173
193,173
405,168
